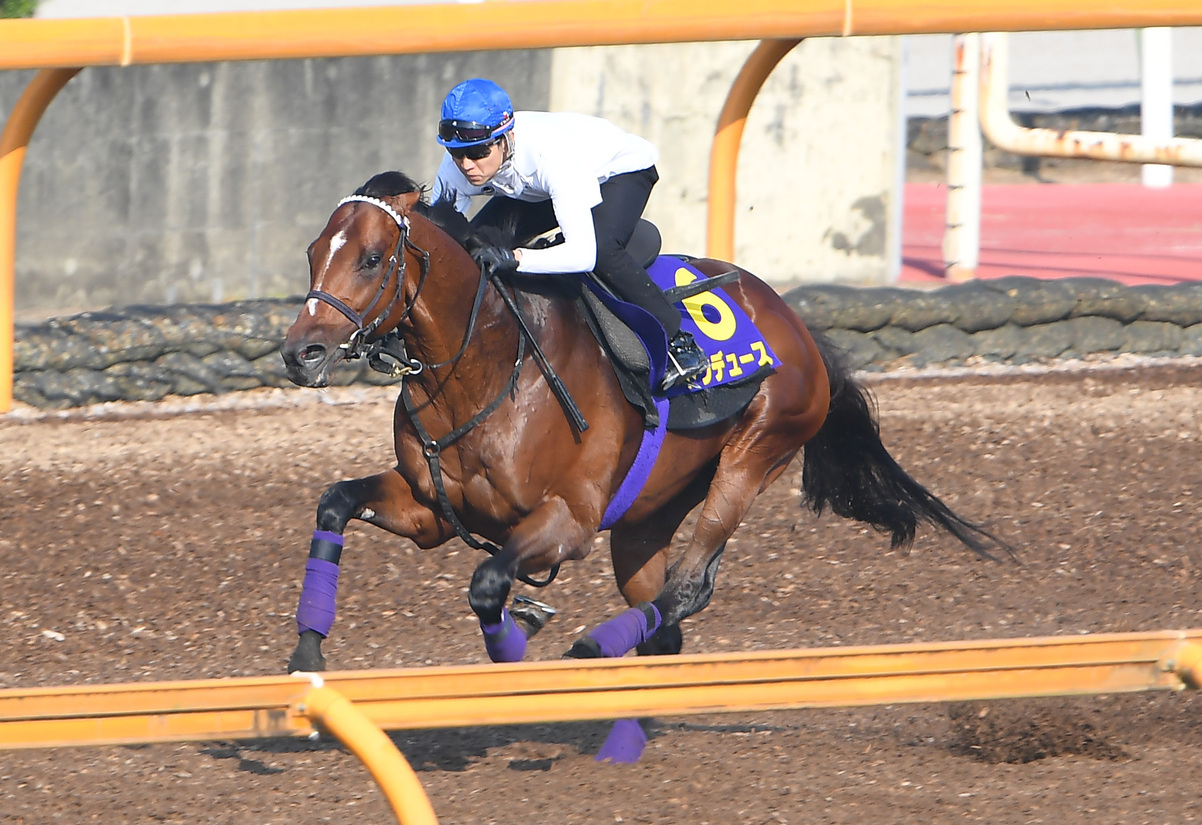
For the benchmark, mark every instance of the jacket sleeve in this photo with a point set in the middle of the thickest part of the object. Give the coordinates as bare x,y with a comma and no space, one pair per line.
574,192
577,253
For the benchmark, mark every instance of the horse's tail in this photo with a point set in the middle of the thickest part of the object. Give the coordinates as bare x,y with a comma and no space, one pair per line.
848,469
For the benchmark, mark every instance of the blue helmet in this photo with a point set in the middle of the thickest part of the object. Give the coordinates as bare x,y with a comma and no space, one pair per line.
476,111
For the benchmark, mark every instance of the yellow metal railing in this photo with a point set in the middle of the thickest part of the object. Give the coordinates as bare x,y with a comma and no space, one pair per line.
13,141
442,27
724,151
355,706
331,711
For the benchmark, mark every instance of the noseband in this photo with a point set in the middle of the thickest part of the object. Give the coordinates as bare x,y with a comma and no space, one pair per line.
356,345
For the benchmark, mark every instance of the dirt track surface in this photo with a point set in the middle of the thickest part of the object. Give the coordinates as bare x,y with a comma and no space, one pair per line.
141,548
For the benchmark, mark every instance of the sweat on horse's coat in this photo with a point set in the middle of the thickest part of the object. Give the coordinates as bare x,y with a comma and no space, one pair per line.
521,476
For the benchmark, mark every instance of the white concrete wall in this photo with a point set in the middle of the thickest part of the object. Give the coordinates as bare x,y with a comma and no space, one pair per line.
817,179
817,171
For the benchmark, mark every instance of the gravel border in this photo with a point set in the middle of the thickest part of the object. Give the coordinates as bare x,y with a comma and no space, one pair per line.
152,353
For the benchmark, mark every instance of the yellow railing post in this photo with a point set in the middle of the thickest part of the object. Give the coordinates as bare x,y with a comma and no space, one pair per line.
24,119
1187,664
724,152
334,712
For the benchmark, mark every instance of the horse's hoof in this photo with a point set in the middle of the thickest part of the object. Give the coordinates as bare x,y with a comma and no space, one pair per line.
532,616
624,744
586,648
307,656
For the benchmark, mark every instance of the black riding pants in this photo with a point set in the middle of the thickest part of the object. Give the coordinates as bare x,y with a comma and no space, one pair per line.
623,198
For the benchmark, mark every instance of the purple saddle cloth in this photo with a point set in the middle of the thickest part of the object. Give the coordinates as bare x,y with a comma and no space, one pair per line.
739,358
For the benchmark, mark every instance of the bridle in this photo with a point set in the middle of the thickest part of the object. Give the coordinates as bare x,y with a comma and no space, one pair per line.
399,363
357,344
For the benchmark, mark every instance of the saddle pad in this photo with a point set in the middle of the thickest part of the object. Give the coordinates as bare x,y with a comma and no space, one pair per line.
735,348
739,356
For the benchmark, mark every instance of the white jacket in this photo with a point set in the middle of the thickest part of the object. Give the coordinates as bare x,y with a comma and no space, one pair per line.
562,157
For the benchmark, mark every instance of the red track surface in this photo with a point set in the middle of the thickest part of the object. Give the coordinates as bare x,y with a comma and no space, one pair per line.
1121,231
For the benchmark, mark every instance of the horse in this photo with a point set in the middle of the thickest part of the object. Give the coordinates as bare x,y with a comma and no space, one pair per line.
484,447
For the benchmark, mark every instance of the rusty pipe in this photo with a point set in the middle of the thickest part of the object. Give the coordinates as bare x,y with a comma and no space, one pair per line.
1007,135
962,223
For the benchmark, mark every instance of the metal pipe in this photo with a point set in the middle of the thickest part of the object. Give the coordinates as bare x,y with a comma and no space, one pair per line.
1010,137
442,27
332,711
13,142
962,230
724,151
1187,664
559,691
1156,98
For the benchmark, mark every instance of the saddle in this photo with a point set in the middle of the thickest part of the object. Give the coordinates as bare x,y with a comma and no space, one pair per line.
635,342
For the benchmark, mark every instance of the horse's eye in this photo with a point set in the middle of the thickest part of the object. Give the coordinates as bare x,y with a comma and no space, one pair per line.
372,261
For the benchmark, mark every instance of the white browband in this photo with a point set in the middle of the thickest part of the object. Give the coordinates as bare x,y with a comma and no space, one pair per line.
395,215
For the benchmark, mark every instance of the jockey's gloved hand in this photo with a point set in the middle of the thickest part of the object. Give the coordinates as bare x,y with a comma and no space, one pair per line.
496,259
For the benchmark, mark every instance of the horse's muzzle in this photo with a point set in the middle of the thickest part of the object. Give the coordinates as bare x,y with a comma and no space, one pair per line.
308,364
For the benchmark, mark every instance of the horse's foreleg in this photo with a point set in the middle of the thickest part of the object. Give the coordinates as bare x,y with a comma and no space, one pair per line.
383,500
542,539
491,582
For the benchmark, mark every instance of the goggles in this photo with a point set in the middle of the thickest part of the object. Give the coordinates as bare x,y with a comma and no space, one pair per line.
478,151
466,131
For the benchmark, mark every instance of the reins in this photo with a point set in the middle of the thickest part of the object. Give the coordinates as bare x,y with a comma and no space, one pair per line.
392,345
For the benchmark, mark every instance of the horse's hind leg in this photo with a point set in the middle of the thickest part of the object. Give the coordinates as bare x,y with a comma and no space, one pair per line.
689,583
640,558
748,463
383,500
740,478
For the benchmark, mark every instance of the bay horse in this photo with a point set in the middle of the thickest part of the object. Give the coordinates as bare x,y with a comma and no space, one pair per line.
484,448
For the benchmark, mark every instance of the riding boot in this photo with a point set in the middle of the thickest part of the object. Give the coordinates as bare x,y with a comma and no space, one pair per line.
686,361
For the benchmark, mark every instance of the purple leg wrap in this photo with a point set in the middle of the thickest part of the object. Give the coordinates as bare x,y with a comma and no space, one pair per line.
505,642
624,743
316,608
619,636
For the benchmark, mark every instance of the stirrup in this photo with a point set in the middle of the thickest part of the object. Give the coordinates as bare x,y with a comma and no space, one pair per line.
531,615
676,374
672,376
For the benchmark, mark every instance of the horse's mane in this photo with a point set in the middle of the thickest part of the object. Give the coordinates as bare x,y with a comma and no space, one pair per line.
442,213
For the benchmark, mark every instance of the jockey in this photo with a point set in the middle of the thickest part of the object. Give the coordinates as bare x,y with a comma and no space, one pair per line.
580,173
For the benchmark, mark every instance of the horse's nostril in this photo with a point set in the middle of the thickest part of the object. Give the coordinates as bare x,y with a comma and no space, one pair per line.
313,354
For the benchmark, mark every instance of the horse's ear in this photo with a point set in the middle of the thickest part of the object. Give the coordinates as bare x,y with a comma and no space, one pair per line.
407,200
